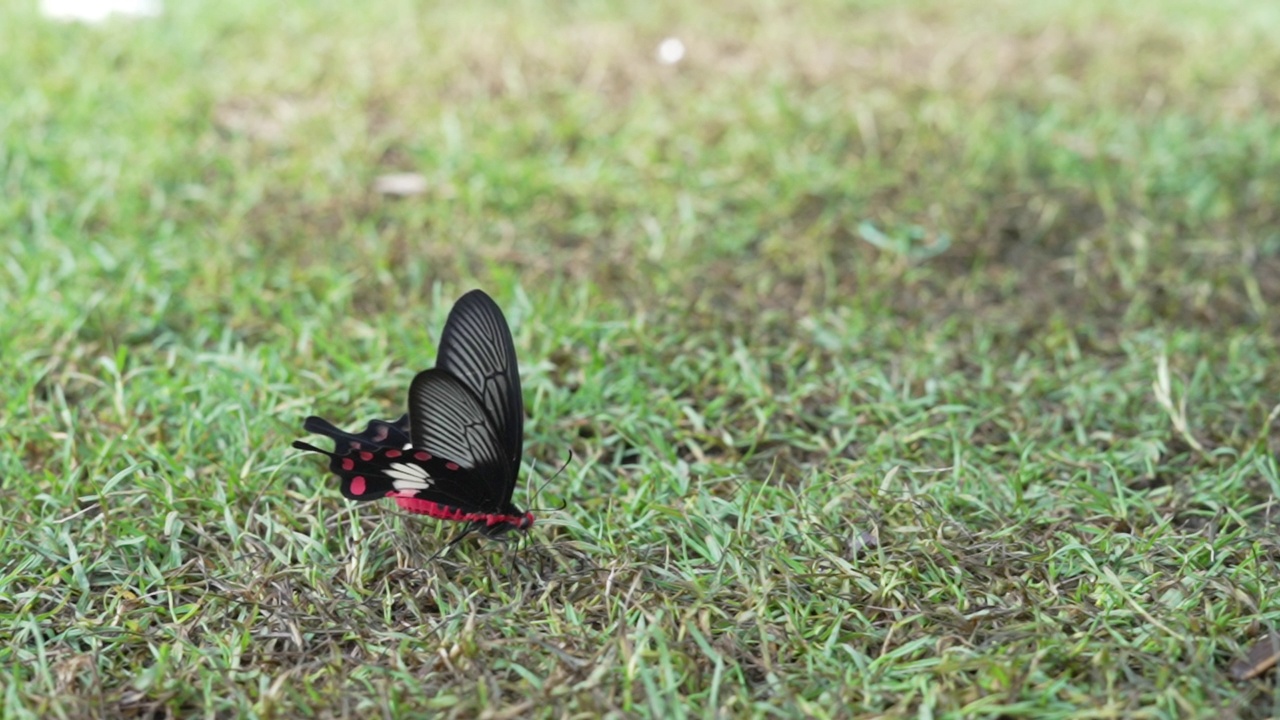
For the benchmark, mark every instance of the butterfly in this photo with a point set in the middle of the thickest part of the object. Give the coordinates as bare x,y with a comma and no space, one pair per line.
456,454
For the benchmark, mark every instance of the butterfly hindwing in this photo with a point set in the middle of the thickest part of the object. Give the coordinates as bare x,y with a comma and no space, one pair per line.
403,473
377,434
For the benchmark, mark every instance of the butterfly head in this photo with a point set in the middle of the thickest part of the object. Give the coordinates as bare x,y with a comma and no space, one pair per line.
499,528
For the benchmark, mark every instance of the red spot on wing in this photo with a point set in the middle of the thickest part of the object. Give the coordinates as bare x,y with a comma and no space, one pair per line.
348,464
393,453
357,485
451,466
366,456
423,456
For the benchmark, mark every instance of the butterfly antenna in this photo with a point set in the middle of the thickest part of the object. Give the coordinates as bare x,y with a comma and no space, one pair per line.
563,503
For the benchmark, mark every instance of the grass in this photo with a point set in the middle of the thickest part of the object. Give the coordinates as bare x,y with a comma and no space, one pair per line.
917,359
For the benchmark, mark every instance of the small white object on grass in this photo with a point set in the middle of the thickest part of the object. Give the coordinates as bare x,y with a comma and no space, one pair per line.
401,184
670,51
97,10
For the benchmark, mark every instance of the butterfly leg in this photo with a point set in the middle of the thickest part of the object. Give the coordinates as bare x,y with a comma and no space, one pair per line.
453,541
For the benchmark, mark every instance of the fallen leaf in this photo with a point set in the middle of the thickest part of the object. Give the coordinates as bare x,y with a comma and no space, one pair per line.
1261,658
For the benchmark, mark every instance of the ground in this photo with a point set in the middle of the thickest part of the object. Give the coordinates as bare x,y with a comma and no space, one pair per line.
916,359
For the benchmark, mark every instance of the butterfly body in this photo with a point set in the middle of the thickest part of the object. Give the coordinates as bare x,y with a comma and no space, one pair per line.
455,455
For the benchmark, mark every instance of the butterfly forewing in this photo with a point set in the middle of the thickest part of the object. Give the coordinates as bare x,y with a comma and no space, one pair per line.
447,419
477,349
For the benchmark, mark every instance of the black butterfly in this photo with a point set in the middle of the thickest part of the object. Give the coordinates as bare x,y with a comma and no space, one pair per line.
456,454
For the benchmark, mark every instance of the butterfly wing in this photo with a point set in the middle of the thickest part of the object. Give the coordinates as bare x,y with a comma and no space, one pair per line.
447,419
380,462
377,434
360,458
359,483
476,348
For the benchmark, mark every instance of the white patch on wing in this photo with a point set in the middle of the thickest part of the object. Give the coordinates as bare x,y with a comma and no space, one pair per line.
408,477
407,446
407,471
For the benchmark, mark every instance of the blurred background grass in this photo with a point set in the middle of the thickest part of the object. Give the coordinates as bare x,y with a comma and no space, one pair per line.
905,271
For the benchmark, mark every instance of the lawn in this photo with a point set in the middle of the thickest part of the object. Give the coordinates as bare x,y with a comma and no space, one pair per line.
916,359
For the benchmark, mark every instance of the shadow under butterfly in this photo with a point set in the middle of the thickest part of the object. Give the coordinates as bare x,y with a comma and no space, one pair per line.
456,454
